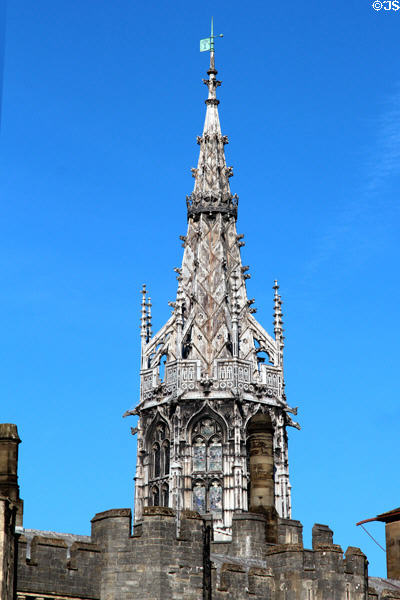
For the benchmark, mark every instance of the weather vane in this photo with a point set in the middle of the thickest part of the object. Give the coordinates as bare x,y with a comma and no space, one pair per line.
207,44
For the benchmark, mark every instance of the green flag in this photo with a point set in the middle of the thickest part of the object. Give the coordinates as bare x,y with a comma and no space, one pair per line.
205,45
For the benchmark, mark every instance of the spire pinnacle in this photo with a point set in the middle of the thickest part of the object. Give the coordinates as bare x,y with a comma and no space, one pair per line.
278,315
211,193
148,319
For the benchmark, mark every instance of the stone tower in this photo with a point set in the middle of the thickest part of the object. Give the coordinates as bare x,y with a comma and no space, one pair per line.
212,411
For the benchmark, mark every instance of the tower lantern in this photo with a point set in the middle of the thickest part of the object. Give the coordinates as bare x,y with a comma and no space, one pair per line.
212,410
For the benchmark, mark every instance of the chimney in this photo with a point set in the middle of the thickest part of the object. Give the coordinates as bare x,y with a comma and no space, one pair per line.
9,488
392,529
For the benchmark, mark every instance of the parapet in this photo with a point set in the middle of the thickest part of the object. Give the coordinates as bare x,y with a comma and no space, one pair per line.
74,560
322,536
251,563
170,555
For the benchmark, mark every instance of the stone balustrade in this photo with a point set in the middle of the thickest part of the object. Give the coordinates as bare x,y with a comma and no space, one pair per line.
230,375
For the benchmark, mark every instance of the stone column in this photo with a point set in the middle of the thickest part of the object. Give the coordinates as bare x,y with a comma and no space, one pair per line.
260,447
7,548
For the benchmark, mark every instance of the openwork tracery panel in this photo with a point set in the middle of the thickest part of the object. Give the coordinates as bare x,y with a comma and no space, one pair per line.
159,465
207,467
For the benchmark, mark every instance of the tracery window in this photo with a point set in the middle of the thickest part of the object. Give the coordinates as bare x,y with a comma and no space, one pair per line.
155,496
199,454
215,499
199,497
165,494
159,465
207,497
207,467
165,457
156,459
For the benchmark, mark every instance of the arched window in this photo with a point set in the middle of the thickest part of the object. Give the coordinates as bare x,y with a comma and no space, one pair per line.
165,457
215,499
199,497
165,494
207,459
155,496
207,446
199,454
157,460
159,465
214,460
160,452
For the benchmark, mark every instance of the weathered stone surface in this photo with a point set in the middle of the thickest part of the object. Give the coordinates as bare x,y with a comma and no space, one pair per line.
8,511
212,372
9,488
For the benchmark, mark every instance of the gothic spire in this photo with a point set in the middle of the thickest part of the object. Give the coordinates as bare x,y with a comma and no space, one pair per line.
205,370
211,193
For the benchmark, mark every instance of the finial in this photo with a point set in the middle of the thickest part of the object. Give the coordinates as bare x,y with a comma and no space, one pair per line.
211,193
148,320
143,319
207,45
278,322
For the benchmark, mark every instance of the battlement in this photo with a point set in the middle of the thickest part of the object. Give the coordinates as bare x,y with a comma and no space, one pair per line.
172,556
57,563
252,562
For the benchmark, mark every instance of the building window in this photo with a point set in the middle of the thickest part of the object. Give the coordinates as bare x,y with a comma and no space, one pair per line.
165,457
199,455
207,446
208,499
207,459
199,498
159,465
155,496
165,494
157,460
215,499
215,455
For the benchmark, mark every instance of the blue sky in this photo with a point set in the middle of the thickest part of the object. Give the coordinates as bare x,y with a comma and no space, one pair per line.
102,102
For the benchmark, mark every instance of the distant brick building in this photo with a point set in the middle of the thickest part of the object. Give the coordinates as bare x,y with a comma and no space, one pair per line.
212,513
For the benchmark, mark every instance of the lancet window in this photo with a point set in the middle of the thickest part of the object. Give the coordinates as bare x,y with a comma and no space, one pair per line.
159,463
207,457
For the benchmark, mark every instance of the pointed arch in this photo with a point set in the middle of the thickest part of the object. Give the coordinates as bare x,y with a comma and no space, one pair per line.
165,456
165,494
157,420
199,496
204,412
215,498
158,447
155,496
156,462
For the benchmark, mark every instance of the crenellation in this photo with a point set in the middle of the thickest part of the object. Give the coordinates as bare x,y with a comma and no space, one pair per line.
290,532
322,535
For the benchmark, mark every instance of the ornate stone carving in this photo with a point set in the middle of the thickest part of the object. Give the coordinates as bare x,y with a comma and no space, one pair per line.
212,362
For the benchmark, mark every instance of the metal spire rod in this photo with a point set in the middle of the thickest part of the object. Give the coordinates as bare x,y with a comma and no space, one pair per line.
207,44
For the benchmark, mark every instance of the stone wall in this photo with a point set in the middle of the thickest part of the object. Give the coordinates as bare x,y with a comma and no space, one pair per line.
57,565
161,561
252,567
154,562
8,510
170,559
